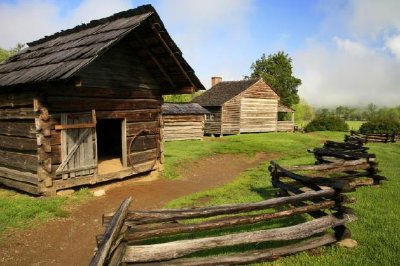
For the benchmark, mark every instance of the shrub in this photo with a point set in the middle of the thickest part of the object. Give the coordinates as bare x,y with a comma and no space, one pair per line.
327,122
380,125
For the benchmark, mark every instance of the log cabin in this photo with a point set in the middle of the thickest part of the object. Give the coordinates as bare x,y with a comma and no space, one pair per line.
183,121
83,106
245,106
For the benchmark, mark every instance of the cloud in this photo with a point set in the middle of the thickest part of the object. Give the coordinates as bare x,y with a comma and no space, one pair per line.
31,20
393,43
346,75
211,34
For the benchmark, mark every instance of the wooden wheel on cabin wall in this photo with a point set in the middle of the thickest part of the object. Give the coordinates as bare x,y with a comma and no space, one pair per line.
144,150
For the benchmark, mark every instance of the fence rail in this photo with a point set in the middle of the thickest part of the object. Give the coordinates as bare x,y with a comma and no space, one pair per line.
169,236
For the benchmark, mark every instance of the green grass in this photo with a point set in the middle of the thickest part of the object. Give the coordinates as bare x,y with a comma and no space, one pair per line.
377,208
355,125
21,211
287,144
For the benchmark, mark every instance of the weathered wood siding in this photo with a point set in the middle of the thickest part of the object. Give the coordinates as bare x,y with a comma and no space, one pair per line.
285,126
231,117
213,126
183,127
258,115
18,144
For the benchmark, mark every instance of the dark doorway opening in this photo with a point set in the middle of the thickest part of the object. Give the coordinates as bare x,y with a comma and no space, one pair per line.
109,145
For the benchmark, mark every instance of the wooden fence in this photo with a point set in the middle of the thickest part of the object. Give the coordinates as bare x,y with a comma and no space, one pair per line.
365,138
175,236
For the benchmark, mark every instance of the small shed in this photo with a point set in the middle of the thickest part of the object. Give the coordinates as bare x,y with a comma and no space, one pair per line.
183,121
240,107
84,105
287,124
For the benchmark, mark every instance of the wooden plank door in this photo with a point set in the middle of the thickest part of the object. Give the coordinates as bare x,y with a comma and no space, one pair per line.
78,145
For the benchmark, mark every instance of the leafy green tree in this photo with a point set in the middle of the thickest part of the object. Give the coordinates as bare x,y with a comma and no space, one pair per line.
5,54
327,122
181,98
303,112
276,71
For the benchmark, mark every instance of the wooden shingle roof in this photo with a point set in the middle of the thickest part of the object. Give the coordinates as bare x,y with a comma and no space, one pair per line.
183,109
64,54
223,92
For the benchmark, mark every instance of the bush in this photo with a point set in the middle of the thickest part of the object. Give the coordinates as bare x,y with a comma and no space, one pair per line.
327,122
380,125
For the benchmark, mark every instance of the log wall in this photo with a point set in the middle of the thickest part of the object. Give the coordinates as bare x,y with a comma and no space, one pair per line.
258,115
285,126
18,144
213,126
231,117
183,127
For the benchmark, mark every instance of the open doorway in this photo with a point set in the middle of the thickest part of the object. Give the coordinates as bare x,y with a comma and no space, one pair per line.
109,145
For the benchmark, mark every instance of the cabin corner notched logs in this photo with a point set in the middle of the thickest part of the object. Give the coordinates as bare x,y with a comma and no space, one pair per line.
141,237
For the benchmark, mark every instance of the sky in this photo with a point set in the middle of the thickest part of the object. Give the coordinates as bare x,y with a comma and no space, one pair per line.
346,52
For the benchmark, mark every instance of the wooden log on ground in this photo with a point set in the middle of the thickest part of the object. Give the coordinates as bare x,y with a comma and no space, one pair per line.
176,249
165,215
110,234
340,166
168,229
252,256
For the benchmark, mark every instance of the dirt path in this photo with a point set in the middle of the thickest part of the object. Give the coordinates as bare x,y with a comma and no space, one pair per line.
70,241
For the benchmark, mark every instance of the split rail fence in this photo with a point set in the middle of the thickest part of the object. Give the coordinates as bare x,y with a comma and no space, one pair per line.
176,236
373,137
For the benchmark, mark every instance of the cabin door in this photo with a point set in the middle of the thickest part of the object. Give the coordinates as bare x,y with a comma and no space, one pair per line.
78,145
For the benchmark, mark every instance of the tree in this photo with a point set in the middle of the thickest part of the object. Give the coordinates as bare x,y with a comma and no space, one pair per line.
181,98
303,112
276,71
5,54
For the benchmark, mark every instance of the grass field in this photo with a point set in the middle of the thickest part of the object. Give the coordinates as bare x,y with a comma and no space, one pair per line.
19,210
377,208
355,125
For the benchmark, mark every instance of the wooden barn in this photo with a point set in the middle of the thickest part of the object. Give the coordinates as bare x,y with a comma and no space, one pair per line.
183,121
242,107
84,105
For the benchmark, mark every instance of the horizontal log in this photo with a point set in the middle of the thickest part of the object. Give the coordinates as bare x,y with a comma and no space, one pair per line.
143,156
176,249
141,143
27,187
17,113
253,256
19,160
312,182
144,115
135,128
17,99
58,104
156,231
19,129
18,143
75,126
164,215
131,93
20,176
340,166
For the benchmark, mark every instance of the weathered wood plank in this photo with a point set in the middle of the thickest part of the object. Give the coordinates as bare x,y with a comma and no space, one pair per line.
27,187
165,215
17,99
19,129
19,160
21,176
143,115
253,256
17,143
166,229
59,104
176,249
19,113
111,233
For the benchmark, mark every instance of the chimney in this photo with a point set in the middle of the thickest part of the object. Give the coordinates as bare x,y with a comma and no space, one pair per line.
215,81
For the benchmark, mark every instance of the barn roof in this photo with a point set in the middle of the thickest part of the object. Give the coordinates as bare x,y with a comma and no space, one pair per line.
183,109
63,54
223,92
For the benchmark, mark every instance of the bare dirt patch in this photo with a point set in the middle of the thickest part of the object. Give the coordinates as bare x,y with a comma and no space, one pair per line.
71,241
